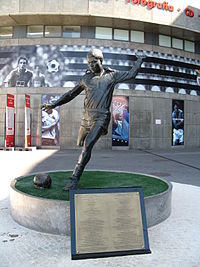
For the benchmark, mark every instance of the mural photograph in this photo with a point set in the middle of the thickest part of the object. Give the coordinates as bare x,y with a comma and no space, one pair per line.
120,121
31,66
19,76
177,122
64,65
50,122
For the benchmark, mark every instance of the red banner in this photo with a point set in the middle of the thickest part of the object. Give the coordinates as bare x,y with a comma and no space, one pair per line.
10,121
27,121
27,101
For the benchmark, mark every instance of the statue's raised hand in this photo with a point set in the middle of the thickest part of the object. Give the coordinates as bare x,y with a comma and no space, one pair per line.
141,57
47,107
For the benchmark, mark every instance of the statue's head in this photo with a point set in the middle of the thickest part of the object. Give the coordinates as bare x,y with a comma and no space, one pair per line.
95,59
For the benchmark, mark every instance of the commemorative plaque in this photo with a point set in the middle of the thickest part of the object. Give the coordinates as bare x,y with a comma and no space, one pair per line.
108,222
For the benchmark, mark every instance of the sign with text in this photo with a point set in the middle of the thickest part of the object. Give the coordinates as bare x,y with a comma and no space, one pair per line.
10,121
189,11
27,121
152,4
107,222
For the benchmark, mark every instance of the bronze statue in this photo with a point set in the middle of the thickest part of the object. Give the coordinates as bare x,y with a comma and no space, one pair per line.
98,84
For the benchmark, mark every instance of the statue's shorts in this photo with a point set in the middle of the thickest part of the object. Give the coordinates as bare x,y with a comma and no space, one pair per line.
93,118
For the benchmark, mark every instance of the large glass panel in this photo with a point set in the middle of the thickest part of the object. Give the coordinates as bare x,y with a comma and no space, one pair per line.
164,40
137,36
6,32
122,35
52,31
177,43
189,46
71,31
35,31
103,33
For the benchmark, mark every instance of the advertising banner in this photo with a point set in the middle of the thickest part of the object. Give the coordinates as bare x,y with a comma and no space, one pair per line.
27,121
198,76
50,122
10,121
177,122
64,65
120,121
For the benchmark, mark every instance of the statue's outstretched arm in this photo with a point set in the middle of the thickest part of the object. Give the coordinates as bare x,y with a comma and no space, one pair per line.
67,97
121,76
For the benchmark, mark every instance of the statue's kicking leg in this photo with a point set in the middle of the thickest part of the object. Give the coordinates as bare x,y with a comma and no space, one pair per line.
84,157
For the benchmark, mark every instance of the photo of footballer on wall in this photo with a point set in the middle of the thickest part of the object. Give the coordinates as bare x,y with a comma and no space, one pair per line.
20,76
120,121
50,122
31,66
177,122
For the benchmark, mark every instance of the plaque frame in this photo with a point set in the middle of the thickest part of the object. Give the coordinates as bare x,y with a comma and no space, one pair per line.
77,256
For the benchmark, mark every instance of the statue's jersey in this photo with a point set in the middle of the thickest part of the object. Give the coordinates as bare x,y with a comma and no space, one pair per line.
98,94
98,90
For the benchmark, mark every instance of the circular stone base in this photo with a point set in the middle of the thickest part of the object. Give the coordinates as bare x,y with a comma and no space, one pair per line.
53,216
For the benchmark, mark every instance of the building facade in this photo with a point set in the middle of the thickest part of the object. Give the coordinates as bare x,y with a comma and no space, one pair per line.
160,109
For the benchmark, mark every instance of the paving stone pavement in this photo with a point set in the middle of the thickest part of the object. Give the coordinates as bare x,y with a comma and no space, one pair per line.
175,242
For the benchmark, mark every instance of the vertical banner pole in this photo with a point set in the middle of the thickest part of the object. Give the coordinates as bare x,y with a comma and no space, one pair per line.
27,121
10,121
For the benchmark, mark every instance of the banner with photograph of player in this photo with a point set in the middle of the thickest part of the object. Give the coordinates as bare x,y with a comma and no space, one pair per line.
32,66
177,122
198,76
64,65
50,122
120,121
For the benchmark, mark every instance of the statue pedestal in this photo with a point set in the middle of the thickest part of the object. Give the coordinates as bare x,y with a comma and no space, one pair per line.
53,216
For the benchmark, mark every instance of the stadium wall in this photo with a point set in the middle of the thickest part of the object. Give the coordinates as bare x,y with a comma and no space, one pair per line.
150,111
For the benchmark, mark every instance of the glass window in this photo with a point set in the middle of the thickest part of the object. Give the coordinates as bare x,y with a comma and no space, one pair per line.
122,35
52,31
189,46
177,43
164,40
6,32
35,31
71,31
137,36
103,33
